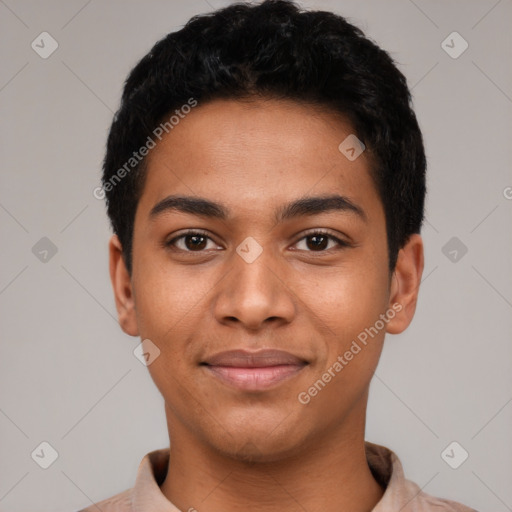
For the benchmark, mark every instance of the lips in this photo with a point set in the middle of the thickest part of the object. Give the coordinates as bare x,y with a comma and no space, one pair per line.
253,371
260,359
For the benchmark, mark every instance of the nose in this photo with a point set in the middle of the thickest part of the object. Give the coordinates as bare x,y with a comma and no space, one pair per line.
255,293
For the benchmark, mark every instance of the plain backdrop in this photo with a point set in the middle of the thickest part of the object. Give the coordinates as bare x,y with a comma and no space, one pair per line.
68,375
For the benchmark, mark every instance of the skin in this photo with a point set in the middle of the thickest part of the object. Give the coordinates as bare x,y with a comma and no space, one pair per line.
263,451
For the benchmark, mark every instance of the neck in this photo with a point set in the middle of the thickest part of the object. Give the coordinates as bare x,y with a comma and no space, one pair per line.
329,474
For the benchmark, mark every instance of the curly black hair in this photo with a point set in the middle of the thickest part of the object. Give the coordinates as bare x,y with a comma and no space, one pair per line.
273,49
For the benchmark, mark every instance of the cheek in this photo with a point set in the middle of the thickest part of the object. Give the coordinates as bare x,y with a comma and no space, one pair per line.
347,303
169,307
347,298
349,341
167,298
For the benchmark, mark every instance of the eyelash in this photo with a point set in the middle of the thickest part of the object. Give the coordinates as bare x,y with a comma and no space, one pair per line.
341,243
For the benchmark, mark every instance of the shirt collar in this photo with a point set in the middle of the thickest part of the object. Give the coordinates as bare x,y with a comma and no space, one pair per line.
400,494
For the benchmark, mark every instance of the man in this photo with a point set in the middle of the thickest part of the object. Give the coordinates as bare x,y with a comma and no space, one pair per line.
265,180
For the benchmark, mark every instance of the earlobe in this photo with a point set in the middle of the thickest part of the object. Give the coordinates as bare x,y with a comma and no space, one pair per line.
122,287
405,284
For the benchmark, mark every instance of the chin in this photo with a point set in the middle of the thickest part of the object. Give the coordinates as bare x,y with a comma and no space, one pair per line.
252,453
258,447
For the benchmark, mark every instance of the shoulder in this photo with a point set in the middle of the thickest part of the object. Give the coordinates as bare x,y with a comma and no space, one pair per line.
121,502
401,494
427,503
416,500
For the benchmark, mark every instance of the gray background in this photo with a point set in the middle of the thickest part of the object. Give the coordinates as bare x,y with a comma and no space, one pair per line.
67,372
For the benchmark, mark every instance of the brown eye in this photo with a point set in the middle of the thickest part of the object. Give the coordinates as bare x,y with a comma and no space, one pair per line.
195,242
192,241
319,242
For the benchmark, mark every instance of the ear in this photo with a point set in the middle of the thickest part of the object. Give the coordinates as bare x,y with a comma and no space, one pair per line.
122,286
405,284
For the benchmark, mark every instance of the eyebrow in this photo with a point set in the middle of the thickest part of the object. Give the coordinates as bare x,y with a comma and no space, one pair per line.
307,206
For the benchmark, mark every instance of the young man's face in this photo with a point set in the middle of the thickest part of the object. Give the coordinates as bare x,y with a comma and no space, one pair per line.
307,296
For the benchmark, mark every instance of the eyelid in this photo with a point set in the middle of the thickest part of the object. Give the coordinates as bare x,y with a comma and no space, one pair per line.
321,231
188,232
313,231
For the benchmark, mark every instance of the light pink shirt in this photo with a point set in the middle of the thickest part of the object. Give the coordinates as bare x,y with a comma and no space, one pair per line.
401,495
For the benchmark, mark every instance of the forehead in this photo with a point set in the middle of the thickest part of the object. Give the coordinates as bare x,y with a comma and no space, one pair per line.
255,155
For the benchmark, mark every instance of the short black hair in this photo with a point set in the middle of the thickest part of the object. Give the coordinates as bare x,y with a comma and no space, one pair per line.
273,49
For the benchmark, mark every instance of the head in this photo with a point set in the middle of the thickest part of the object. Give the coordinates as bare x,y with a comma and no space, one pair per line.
265,181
